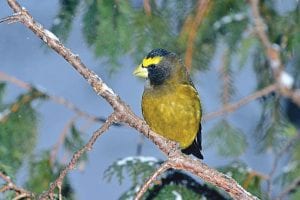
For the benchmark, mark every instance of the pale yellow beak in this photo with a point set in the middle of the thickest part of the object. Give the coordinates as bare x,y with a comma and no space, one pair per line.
141,72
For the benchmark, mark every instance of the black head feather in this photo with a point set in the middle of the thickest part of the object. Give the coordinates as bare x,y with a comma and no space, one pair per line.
158,75
158,52
169,68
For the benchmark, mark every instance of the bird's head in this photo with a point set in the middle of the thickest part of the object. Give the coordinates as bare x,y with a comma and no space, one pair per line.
161,66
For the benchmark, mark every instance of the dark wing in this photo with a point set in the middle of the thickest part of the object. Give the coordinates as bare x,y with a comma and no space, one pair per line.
196,147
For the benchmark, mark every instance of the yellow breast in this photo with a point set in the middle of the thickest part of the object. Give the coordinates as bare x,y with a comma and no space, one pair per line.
173,113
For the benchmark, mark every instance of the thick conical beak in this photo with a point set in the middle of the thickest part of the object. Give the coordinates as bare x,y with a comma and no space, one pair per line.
141,72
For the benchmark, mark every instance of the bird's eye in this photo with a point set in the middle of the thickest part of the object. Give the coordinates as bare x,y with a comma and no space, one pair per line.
151,66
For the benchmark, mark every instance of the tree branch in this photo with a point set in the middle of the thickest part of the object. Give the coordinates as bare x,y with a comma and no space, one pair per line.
59,143
276,160
289,189
202,10
183,162
55,99
285,83
164,167
236,105
210,175
284,80
58,182
10,185
147,7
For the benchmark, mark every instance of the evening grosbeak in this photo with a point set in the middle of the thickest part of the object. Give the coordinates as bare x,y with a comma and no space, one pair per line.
170,103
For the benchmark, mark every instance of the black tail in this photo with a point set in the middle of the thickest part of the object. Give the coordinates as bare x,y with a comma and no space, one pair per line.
195,148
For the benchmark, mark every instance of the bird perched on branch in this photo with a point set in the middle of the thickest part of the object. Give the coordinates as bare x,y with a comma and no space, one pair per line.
170,102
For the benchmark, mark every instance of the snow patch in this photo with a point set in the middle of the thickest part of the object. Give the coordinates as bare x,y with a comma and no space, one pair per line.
275,64
177,195
106,88
136,159
51,35
56,21
4,113
290,167
286,80
229,19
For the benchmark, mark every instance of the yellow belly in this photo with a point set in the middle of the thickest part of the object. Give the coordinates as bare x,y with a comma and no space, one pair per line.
175,114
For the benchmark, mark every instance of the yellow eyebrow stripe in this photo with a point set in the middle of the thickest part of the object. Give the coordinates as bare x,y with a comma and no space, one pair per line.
151,61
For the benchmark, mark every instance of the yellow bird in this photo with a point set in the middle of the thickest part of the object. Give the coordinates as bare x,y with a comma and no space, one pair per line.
170,102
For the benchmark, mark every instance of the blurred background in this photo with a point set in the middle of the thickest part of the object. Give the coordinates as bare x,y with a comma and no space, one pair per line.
48,111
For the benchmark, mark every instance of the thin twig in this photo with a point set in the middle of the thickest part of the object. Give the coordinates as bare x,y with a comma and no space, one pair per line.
236,105
226,79
277,67
202,10
260,29
289,189
5,177
276,160
251,175
55,99
273,55
260,26
165,166
87,147
147,7
62,137
15,81
22,196
11,19
10,185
